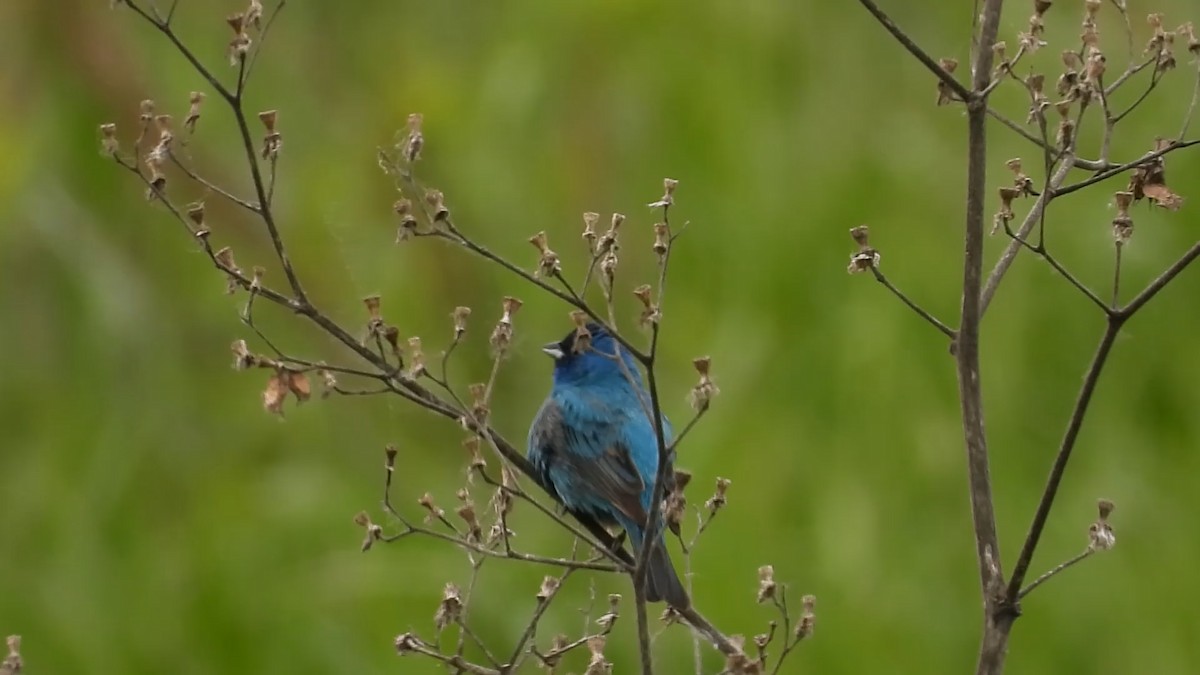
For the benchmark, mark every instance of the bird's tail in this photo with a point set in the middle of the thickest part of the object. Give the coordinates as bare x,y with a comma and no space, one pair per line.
662,584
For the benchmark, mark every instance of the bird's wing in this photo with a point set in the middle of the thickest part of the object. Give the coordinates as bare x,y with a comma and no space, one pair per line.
587,464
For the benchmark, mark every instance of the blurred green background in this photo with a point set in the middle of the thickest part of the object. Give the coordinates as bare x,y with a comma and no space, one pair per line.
155,519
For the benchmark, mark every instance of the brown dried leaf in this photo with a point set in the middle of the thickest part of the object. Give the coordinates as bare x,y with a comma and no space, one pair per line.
299,385
1162,196
275,393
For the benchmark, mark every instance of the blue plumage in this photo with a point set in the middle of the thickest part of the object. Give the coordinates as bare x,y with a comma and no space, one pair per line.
594,447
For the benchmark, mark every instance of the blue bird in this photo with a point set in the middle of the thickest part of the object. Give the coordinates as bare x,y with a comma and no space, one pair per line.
595,450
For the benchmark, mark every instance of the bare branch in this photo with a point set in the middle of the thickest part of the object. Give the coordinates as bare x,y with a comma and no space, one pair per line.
212,186
921,312
913,48
1064,455
1055,571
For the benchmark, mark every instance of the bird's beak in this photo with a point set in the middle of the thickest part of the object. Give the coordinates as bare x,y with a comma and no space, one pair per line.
553,350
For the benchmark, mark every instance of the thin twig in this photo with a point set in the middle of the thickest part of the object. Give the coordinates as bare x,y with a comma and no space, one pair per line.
654,516
1116,285
1006,67
518,653
1050,574
1077,162
1074,424
455,236
1160,282
1154,79
262,38
1122,168
1191,110
169,33
211,186
921,312
687,428
915,49
1079,285
234,100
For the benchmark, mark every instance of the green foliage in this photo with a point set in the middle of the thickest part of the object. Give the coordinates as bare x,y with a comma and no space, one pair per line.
156,519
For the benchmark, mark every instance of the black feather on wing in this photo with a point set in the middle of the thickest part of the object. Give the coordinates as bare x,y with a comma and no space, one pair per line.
590,472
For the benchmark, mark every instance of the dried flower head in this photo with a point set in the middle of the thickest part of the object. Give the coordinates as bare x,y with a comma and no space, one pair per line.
256,281
705,389
766,583
195,99
414,139
224,258
253,14
12,663
1005,215
548,588
808,619
945,93
240,44
146,111
608,240
609,618
471,445
195,215
407,643
608,269
158,180
273,140
1097,64
1101,536
583,337
479,406
416,358
437,202
373,531
589,230
432,510
662,240
1188,31
548,262
650,313
738,662
1065,137
1000,54
1122,223
460,316
373,304
1036,84
668,198
407,228
597,664
109,146
866,257
502,334
449,609
719,499
242,357
329,382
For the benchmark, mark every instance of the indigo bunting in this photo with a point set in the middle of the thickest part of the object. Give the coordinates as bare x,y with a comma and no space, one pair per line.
595,449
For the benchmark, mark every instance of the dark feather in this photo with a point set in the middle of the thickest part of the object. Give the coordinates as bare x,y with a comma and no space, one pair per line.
609,478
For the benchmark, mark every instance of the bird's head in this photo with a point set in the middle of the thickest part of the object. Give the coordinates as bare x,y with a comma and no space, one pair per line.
591,359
